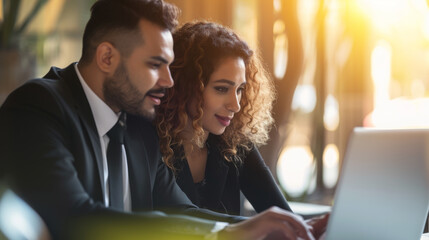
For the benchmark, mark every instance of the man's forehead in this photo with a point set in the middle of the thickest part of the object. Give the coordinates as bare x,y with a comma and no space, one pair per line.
147,27
157,41
155,34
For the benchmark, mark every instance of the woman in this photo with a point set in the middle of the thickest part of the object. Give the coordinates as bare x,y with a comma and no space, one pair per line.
214,118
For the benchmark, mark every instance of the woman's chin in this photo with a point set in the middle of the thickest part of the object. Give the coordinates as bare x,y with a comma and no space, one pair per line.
218,132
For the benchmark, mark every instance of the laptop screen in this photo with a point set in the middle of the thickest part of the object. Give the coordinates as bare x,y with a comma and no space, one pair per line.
383,192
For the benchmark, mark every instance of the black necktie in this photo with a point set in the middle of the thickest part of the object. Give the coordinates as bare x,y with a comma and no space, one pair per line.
114,162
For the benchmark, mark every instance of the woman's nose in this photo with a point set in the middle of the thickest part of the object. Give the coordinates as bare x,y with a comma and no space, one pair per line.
234,103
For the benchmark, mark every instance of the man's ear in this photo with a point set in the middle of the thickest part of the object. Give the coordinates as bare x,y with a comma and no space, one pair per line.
107,57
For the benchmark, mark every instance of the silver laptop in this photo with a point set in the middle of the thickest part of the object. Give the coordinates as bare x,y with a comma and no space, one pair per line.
383,192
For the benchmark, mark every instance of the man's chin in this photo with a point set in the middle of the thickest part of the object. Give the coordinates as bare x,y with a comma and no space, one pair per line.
147,112
149,115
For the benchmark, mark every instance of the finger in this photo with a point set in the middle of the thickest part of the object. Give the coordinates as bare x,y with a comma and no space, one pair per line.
318,224
282,227
294,233
297,223
288,229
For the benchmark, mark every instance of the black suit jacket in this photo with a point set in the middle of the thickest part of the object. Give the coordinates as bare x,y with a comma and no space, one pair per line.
224,181
50,154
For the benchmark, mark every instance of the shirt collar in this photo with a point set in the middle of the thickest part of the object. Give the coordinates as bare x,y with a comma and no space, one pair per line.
105,118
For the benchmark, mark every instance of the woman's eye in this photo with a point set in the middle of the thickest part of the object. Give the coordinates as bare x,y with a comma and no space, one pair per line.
221,89
240,90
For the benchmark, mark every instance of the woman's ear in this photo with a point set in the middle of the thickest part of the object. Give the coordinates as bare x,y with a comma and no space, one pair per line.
107,57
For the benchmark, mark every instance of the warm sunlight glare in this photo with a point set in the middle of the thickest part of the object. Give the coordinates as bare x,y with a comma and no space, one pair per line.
295,169
399,62
401,113
381,58
418,88
420,5
331,165
384,13
425,26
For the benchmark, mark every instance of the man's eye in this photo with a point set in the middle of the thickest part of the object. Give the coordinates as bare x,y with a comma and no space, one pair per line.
154,65
221,89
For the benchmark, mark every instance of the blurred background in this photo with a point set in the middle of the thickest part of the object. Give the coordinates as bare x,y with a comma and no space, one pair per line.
337,64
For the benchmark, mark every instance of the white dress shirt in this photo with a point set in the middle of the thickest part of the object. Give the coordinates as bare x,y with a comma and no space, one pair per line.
105,118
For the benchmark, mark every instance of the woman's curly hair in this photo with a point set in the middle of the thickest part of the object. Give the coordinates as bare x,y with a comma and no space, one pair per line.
199,47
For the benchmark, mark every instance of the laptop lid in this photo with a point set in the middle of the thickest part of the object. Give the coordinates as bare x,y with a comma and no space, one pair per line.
383,191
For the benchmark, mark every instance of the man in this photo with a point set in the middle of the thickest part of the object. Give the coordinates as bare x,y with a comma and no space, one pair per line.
56,133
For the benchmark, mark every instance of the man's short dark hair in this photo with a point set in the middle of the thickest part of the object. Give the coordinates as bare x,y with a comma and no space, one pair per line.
117,21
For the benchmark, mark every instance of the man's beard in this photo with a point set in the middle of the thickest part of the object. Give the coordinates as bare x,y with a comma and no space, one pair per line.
120,92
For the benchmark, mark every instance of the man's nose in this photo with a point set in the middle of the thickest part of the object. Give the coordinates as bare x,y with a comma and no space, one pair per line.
165,79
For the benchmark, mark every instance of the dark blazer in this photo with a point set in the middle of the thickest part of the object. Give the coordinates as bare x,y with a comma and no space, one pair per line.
50,154
224,181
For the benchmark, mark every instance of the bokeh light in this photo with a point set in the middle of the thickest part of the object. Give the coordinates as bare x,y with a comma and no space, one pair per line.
304,98
331,165
331,116
280,49
295,169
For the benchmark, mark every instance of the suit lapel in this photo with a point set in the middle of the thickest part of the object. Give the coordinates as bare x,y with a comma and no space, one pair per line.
85,115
